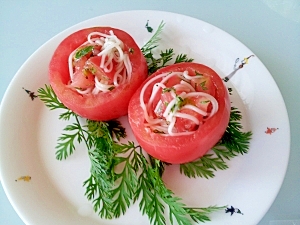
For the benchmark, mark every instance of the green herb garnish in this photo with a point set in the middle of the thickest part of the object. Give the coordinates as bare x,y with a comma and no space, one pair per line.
205,102
111,88
83,51
165,57
168,89
182,58
233,143
153,41
156,63
91,69
138,178
178,103
202,85
234,140
131,50
198,74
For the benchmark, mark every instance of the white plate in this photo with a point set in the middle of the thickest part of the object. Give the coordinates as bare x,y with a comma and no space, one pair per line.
55,194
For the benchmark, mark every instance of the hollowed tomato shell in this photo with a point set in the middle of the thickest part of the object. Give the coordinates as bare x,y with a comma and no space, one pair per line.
103,106
186,148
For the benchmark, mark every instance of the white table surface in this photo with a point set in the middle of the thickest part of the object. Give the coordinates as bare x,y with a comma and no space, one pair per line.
270,28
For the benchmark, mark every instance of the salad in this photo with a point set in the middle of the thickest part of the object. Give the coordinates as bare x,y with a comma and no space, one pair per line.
180,112
95,71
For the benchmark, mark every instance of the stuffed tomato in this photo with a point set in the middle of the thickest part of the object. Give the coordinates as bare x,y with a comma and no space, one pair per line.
95,71
180,112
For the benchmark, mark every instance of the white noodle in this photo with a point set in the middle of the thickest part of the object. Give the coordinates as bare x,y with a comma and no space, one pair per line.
187,76
128,67
195,108
187,85
102,87
187,116
83,92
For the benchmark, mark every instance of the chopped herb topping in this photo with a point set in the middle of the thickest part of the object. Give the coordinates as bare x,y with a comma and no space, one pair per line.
168,89
198,74
92,69
179,103
158,131
131,50
202,85
83,51
204,102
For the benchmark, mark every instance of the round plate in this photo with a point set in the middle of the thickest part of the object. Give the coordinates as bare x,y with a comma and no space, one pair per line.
55,195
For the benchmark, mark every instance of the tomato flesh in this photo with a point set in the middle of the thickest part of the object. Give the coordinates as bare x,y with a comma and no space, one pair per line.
184,125
93,65
83,79
183,148
104,105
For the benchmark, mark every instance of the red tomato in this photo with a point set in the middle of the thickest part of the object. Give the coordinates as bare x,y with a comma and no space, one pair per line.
184,148
104,105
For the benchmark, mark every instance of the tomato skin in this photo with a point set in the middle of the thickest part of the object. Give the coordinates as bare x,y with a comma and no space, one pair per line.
181,149
103,106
